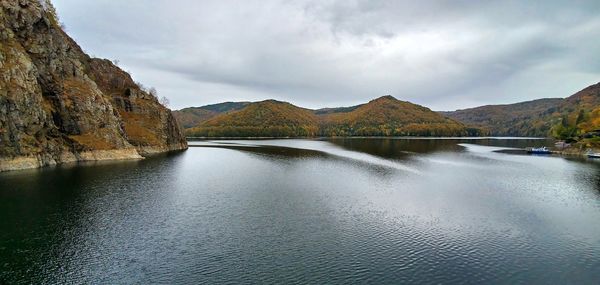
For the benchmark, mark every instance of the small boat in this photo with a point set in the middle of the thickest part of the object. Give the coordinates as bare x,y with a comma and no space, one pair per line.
592,154
539,150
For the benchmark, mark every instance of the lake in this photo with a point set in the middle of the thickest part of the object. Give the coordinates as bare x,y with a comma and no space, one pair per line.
334,211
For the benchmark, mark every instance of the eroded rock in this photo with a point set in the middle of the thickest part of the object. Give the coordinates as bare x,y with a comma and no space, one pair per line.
59,105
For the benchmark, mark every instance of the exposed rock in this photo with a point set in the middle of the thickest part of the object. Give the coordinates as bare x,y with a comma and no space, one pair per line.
59,105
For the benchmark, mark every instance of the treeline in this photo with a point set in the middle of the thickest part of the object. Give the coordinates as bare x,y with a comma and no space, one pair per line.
413,129
419,130
385,116
584,126
254,131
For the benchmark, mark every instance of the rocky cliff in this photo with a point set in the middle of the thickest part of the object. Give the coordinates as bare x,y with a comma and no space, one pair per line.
59,105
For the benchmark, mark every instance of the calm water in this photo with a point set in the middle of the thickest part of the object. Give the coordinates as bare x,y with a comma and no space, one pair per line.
307,211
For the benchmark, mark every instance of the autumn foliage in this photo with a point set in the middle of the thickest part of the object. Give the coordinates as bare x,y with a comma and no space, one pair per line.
385,116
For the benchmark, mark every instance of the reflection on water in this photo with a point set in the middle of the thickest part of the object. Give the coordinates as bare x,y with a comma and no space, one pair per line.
402,147
307,211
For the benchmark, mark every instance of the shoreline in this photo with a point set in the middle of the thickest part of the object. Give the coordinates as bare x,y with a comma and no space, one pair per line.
46,159
370,137
39,161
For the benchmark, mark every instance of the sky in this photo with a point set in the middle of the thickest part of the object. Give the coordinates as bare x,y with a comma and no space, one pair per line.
445,55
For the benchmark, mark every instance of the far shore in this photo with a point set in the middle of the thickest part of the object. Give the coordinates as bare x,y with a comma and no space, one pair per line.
372,137
570,151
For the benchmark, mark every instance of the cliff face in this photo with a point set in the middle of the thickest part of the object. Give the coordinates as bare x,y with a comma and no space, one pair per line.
59,105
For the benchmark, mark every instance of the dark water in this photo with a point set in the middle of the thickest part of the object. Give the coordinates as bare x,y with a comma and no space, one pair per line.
301,211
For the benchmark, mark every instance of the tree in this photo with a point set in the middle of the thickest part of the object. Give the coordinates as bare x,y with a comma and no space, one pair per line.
140,85
51,12
580,117
164,101
565,121
152,91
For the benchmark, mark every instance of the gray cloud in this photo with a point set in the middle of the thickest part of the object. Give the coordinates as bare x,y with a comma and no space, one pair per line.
442,54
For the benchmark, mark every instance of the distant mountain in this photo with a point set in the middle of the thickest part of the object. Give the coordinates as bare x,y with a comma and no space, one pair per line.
385,116
576,114
520,119
268,118
388,116
325,111
578,118
570,119
191,117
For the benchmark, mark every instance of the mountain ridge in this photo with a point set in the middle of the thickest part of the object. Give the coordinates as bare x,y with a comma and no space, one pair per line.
383,116
563,118
536,117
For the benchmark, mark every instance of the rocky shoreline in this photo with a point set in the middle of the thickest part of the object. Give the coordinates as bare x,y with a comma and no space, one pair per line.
29,162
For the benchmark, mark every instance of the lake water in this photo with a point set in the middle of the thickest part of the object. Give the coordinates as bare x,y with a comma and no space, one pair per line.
308,211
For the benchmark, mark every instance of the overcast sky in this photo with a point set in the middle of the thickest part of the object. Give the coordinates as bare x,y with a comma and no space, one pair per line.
442,54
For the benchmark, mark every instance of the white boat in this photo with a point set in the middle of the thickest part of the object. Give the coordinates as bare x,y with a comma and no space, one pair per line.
592,154
539,150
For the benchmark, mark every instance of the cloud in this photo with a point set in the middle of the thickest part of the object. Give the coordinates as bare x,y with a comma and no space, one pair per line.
442,54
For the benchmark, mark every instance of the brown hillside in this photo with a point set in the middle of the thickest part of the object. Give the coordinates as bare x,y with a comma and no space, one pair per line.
191,117
262,119
538,117
388,116
385,116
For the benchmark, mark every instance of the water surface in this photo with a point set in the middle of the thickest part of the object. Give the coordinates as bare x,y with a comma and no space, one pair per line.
308,211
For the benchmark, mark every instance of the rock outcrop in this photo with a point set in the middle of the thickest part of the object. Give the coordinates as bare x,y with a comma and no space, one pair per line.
59,105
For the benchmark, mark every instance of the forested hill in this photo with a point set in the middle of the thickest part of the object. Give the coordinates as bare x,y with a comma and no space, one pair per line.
388,116
385,116
191,117
268,118
569,119
561,118
520,119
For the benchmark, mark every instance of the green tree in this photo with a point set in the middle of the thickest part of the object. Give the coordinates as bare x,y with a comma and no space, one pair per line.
580,117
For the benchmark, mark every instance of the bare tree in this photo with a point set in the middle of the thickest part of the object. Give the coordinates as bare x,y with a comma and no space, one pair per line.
141,86
164,101
152,91
51,11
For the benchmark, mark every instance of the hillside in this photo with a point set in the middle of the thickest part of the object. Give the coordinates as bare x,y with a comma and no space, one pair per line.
578,119
59,105
583,109
520,119
325,111
191,117
561,118
385,116
388,116
268,118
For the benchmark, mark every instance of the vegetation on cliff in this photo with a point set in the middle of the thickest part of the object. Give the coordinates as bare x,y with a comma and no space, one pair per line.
57,104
